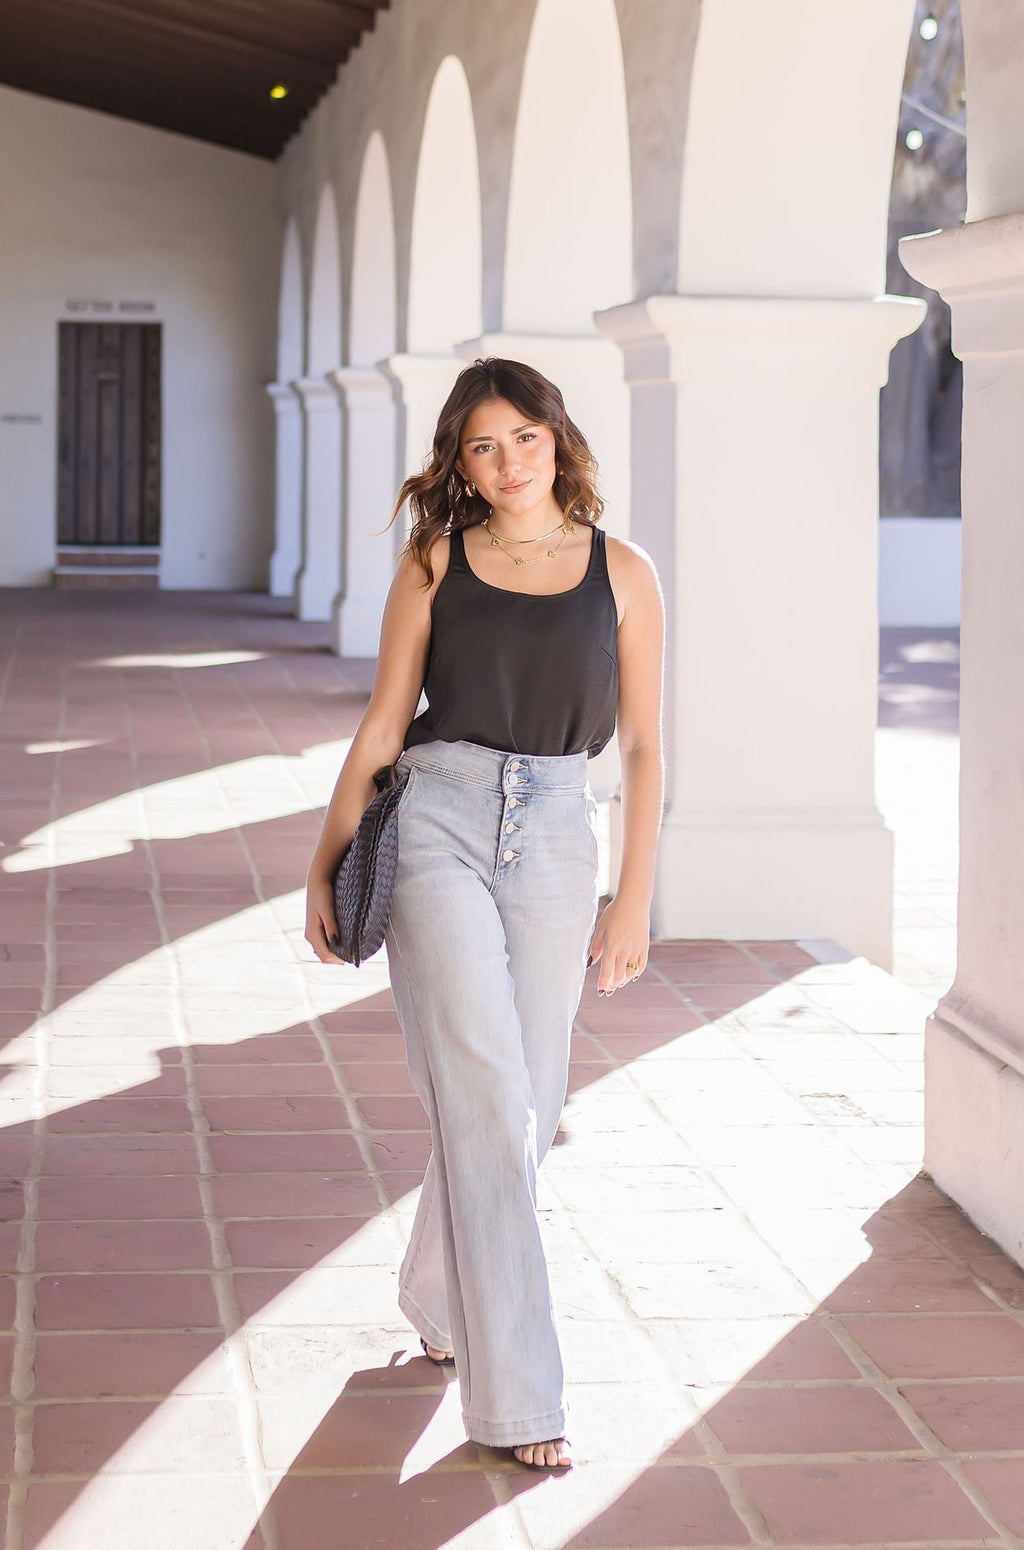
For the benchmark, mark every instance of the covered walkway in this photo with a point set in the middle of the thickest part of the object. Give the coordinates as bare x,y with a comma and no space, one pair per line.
777,1330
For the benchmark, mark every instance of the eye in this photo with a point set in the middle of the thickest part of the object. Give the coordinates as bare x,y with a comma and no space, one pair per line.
528,436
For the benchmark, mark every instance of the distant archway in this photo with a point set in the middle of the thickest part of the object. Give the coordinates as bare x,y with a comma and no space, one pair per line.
446,248
290,307
323,336
370,423
320,578
372,326
287,554
569,249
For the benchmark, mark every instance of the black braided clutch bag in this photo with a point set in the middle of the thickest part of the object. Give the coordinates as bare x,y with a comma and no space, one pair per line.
366,872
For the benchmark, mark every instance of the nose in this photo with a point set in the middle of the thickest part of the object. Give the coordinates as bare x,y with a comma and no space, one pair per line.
509,464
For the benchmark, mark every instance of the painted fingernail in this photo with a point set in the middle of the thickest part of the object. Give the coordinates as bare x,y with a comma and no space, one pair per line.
590,959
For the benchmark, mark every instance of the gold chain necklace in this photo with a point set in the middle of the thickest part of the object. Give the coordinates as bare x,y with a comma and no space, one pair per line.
497,542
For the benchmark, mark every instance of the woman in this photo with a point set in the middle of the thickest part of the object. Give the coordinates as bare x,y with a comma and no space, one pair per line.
533,636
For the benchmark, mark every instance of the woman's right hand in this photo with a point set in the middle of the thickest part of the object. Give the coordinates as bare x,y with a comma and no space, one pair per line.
321,926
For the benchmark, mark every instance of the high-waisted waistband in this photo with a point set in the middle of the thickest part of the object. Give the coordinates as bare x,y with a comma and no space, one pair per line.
497,770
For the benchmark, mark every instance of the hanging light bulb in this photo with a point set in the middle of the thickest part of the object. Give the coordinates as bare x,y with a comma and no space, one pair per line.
913,139
929,28
278,92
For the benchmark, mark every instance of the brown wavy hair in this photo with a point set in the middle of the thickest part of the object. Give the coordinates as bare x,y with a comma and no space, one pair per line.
437,496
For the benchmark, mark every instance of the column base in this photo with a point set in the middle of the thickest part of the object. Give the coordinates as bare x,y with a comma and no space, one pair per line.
974,1126
355,627
764,878
283,572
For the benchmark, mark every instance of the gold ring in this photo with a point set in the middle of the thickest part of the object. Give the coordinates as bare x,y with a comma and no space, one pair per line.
632,965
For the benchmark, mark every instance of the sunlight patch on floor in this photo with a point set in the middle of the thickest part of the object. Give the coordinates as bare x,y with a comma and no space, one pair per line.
250,791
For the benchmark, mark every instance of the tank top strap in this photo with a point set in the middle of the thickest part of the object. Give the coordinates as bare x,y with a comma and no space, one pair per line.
599,569
457,561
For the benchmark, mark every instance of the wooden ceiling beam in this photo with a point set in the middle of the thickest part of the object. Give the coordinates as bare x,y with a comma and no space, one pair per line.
203,86
201,68
125,30
261,128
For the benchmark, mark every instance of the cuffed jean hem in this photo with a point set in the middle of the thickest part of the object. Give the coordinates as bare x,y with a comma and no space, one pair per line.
422,1325
514,1434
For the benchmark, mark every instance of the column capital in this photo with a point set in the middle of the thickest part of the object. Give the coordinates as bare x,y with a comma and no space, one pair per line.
978,268
316,394
572,349
282,396
407,368
704,338
362,386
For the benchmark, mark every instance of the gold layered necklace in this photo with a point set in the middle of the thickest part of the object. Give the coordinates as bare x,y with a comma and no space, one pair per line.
497,542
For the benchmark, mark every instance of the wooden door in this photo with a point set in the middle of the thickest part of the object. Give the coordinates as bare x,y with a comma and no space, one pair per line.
108,457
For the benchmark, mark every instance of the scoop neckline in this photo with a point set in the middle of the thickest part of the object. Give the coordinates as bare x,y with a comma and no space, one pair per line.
512,592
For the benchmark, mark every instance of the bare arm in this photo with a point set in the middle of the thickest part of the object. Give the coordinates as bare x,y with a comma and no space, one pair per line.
401,665
622,934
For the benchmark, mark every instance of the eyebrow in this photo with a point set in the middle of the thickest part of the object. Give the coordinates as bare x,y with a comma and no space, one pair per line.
515,431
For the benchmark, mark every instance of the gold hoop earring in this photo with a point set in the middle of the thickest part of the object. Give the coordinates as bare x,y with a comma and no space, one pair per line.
471,488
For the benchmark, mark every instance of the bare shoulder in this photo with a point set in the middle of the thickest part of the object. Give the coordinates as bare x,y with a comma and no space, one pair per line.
410,575
633,578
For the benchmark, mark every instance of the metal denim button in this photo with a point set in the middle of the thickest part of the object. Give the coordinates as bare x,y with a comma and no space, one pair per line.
512,779
510,828
508,855
515,765
512,802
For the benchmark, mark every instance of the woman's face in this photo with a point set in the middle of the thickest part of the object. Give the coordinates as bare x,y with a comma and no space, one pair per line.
510,460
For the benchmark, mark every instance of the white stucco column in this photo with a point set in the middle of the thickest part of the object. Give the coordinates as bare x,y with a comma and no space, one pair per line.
755,490
974,1049
368,560
421,385
320,577
287,556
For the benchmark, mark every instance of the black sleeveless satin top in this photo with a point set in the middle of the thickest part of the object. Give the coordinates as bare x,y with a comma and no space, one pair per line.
521,672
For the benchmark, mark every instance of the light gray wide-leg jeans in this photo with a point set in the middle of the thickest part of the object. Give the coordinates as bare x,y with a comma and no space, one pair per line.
494,904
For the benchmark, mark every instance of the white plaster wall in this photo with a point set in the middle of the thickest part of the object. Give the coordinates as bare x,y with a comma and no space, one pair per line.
97,208
781,193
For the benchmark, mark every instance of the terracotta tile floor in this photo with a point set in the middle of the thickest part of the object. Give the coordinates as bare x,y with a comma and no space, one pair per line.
777,1331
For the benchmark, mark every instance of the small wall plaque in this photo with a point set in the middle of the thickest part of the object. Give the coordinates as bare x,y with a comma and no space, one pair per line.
96,308
20,419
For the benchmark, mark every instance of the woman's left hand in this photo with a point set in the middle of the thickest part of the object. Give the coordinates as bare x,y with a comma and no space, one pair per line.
621,937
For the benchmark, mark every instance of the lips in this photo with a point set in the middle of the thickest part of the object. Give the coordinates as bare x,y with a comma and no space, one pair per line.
510,489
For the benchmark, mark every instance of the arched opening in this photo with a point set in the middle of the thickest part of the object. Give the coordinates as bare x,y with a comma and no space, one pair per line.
446,249
372,322
320,578
569,249
445,263
370,422
323,337
290,309
287,554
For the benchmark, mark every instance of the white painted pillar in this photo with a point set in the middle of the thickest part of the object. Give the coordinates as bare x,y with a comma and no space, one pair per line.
368,563
287,556
320,577
422,383
974,1048
755,490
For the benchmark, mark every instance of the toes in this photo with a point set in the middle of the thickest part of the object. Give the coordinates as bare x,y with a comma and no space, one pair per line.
547,1453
